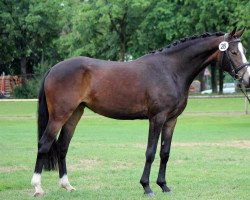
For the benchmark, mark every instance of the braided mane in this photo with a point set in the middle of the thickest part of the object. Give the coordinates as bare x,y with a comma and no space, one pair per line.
183,40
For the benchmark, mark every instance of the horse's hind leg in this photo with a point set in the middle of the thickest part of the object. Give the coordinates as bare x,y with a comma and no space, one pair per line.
47,155
44,146
64,139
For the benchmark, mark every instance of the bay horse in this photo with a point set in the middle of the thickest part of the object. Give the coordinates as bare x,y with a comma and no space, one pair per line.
153,87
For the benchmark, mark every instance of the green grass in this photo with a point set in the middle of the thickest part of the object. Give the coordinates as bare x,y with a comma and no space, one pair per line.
210,156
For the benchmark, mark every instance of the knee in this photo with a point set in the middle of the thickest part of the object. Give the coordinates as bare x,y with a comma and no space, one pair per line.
150,156
164,156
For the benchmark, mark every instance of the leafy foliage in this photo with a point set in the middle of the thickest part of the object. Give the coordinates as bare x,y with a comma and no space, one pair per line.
36,31
27,30
30,89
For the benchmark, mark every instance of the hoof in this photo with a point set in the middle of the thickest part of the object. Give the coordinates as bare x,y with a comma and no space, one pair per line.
38,194
64,183
69,188
165,189
38,191
163,186
72,189
150,195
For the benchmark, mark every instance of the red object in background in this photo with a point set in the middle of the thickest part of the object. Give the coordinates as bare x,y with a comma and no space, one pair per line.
2,85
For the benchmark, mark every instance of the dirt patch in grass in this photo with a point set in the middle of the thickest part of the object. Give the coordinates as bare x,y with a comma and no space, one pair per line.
86,164
120,165
178,161
140,146
10,169
219,113
241,144
6,117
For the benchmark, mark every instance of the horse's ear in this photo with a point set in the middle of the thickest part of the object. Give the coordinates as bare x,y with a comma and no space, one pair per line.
230,35
240,32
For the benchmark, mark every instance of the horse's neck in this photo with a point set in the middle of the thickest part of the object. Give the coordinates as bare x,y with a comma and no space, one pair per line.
194,57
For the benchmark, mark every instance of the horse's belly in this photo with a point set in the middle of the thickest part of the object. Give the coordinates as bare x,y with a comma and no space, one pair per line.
120,115
119,111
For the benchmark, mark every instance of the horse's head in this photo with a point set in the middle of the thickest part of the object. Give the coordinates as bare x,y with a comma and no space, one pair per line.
233,59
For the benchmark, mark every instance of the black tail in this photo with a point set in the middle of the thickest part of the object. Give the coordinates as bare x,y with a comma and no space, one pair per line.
51,158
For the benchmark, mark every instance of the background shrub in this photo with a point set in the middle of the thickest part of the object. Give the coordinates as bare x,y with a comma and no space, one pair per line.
31,87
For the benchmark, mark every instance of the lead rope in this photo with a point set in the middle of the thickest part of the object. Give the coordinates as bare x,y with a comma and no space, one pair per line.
244,91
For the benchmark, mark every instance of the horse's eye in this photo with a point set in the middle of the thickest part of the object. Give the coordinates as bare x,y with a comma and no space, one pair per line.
234,52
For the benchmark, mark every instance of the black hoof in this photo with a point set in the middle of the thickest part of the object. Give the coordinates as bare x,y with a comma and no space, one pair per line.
147,191
165,188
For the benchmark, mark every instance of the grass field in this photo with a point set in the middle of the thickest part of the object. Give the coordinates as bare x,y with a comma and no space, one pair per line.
210,155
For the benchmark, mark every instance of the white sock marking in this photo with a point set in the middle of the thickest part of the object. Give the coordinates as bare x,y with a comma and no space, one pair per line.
36,183
36,179
64,182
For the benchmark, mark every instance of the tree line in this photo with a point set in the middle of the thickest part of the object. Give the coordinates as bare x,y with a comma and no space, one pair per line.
35,32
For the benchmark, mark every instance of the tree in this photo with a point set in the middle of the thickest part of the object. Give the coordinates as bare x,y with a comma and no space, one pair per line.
32,31
113,29
213,16
242,17
124,17
157,28
28,28
102,28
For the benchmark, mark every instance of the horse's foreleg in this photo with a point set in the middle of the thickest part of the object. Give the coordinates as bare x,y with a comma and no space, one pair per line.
155,126
44,146
63,144
166,138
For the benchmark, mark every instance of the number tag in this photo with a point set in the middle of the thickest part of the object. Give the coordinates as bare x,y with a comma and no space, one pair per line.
223,46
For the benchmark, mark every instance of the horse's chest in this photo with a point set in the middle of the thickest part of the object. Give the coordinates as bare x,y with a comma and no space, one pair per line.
179,107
